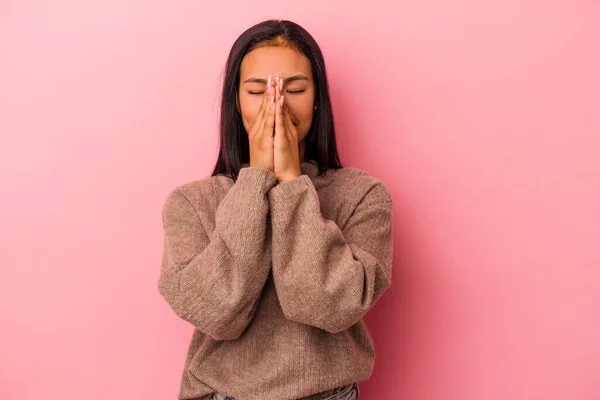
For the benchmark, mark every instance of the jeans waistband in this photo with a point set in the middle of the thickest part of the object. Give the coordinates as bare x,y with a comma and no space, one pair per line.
348,392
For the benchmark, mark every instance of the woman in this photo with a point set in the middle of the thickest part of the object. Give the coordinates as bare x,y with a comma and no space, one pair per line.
277,256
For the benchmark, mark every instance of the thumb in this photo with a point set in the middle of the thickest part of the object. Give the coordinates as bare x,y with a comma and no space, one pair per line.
279,117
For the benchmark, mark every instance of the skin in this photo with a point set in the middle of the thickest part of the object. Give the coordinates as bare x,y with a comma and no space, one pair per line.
277,112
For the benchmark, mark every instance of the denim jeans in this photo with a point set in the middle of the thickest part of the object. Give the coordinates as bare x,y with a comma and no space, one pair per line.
348,392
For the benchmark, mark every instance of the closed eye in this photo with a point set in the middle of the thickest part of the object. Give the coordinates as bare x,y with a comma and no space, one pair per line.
289,91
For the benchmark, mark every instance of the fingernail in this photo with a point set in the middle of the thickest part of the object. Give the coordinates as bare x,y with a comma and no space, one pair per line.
272,99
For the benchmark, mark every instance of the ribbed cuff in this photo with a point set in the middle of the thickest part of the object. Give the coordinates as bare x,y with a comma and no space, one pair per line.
281,193
247,200
258,177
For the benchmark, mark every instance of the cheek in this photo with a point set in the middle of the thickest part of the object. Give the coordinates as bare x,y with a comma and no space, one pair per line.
302,112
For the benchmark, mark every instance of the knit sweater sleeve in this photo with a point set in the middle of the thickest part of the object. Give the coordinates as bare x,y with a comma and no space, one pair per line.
214,281
327,277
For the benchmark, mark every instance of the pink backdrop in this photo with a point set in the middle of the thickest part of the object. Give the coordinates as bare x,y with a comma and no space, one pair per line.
482,117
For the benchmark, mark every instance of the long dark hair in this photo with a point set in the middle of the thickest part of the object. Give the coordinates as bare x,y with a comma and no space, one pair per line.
320,141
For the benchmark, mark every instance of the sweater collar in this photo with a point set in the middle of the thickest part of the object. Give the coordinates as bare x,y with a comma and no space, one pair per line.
310,168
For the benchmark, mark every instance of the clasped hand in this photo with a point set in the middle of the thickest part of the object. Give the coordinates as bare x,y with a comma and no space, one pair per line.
274,138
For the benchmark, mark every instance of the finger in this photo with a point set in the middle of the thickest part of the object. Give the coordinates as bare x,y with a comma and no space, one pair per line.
269,122
264,107
279,125
260,117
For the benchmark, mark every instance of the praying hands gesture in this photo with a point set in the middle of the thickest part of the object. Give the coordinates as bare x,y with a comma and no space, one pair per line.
274,137
286,157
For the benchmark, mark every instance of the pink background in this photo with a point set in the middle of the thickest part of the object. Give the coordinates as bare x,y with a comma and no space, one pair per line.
481,116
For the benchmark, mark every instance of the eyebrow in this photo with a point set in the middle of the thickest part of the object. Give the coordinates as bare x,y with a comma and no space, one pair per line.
286,80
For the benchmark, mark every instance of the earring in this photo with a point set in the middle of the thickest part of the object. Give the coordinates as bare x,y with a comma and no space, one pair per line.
315,107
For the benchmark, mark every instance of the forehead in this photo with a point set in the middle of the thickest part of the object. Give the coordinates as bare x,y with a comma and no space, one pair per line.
284,61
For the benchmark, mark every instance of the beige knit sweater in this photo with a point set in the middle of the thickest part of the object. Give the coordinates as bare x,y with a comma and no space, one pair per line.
276,279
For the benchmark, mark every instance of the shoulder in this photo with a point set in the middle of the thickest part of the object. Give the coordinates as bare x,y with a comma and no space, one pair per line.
360,185
199,195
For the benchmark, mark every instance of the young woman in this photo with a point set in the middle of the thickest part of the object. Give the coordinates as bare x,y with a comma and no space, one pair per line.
277,256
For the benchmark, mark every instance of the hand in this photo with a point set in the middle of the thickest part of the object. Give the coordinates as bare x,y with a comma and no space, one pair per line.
260,138
286,157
